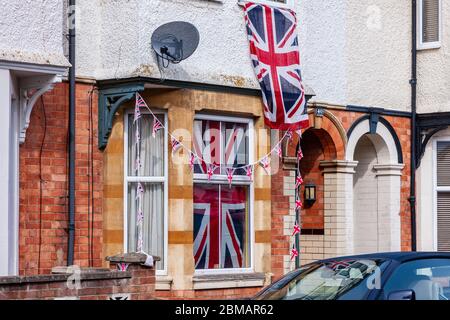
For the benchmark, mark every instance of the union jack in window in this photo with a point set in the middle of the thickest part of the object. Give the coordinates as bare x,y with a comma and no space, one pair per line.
275,55
221,232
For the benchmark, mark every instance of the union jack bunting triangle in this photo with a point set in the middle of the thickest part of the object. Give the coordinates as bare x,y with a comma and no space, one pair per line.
265,164
298,204
137,111
296,230
298,181
122,267
279,151
140,216
230,173
294,253
138,136
140,102
137,164
249,171
157,125
139,191
211,169
299,154
192,161
176,145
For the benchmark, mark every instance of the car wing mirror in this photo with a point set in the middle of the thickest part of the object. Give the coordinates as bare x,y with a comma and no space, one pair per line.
407,295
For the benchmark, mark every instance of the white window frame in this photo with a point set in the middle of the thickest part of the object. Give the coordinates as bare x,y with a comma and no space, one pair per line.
437,189
163,180
427,45
203,179
288,4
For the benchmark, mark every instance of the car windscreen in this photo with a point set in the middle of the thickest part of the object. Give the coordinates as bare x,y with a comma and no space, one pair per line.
330,280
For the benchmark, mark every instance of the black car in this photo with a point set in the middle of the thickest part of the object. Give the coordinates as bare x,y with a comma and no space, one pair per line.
381,276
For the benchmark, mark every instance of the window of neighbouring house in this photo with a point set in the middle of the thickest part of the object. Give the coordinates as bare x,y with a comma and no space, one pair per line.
222,210
152,175
443,195
429,24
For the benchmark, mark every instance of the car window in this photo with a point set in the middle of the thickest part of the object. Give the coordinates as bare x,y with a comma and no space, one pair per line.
428,278
329,280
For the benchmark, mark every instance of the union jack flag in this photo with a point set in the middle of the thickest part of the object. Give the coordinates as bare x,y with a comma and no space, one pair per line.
220,232
157,125
275,54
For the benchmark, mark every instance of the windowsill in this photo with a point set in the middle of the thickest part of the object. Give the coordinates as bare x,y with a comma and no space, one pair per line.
163,283
226,281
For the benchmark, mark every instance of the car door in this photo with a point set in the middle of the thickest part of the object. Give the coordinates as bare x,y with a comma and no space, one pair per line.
426,279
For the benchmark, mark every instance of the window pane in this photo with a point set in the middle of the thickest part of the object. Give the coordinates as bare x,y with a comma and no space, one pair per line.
430,18
221,227
443,164
150,150
153,223
206,144
236,153
443,221
428,278
221,143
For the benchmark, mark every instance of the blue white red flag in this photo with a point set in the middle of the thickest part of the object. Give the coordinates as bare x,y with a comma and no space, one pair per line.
275,55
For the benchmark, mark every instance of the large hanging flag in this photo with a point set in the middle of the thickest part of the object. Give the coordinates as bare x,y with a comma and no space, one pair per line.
275,54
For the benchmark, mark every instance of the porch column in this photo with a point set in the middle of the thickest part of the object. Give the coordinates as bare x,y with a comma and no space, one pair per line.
338,207
389,186
6,199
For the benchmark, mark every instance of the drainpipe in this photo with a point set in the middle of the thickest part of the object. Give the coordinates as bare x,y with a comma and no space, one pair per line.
72,106
413,82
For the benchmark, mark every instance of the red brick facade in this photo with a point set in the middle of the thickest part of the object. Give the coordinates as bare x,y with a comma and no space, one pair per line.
44,188
44,184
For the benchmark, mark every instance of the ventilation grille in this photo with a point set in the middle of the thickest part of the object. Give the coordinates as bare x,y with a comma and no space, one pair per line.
443,164
430,21
443,223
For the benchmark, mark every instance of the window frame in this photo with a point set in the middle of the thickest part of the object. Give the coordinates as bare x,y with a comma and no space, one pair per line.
437,189
164,180
427,45
222,180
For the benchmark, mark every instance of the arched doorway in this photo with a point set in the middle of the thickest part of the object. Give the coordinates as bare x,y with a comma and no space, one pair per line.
376,187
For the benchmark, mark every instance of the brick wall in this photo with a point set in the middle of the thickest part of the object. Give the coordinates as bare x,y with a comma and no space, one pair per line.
136,283
319,145
44,184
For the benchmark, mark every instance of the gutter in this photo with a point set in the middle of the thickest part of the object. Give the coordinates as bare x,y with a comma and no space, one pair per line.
413,82
72,108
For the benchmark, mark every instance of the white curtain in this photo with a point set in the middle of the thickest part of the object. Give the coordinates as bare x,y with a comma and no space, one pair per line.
151,152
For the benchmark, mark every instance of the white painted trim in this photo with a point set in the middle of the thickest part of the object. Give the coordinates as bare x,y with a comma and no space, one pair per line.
429,45
364,128
222,179
34,68
163,180
436,189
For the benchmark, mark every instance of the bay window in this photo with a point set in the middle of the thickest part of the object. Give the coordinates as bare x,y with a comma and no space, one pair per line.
222,206
151,174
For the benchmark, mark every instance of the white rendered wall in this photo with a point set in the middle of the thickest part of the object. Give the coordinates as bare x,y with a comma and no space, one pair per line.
32,32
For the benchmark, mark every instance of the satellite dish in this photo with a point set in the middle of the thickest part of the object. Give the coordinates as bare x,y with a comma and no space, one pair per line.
175,41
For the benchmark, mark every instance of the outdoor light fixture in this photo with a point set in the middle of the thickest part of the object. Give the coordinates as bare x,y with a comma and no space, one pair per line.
310,193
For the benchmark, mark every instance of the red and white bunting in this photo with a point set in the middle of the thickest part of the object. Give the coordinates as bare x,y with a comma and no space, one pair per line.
289,136
192,159
265,164
137,136
298,181
279,151
211,169
138,164
230,174
157,125
296,230
140,217
299,154
249,171
294,253
139,191
298,204
299,132
176,145
137,108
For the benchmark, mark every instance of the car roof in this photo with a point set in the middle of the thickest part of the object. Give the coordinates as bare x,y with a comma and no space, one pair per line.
398,256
